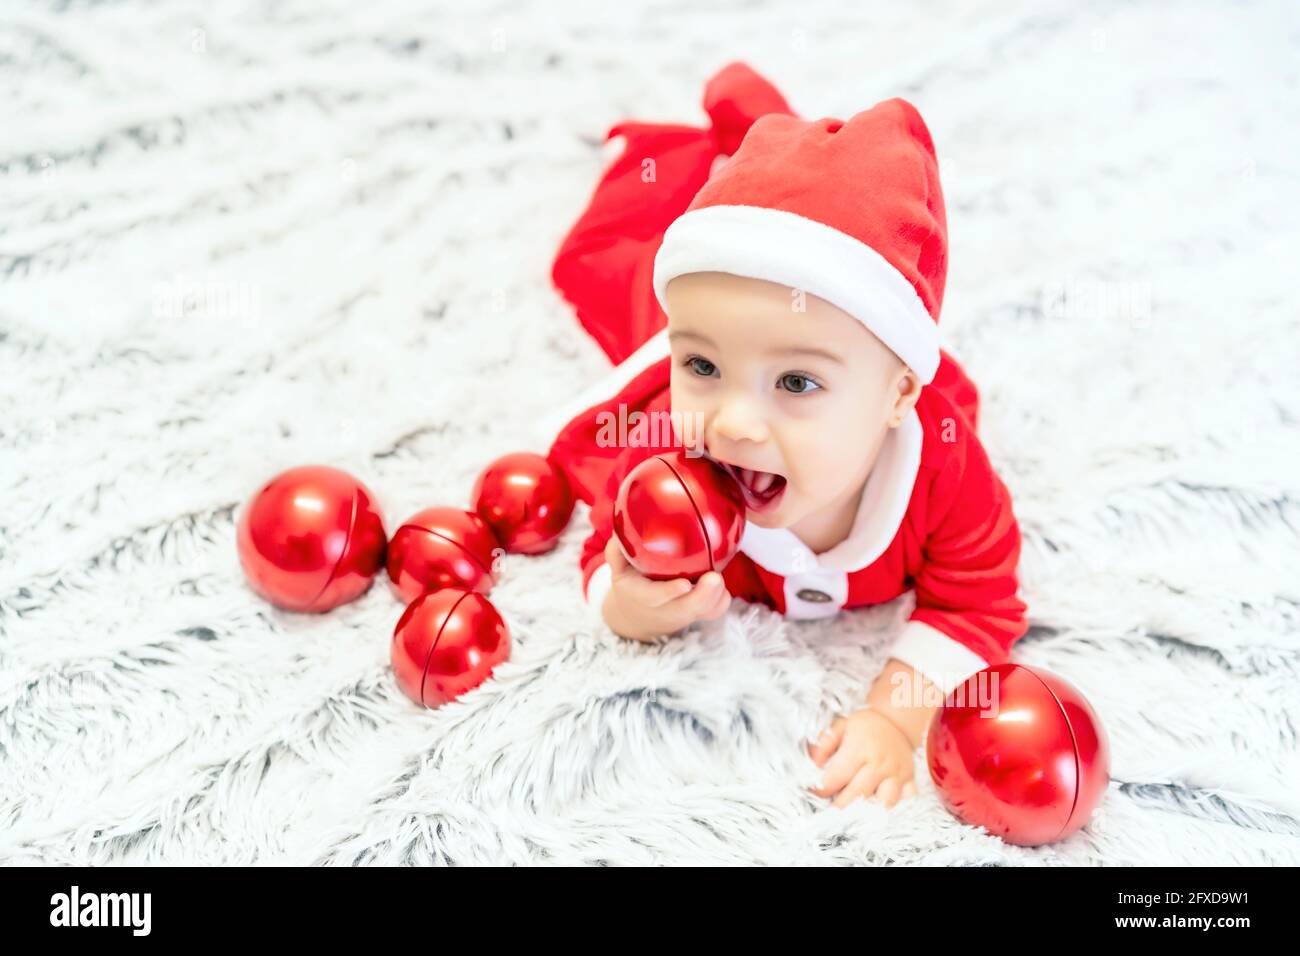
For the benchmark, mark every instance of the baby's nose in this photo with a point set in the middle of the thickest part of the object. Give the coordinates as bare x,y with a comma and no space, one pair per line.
738,420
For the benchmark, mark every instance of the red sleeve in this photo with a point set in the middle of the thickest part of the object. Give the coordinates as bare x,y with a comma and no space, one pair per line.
601,444
968,613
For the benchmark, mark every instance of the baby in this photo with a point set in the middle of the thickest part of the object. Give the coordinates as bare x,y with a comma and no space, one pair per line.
799,349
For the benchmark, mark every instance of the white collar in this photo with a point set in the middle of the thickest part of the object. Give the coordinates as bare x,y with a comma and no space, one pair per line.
884,501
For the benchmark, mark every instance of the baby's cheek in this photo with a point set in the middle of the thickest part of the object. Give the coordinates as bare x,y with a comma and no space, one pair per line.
810,485
811,469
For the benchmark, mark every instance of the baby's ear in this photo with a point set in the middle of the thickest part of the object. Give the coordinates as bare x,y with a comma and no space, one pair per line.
909,392
909,383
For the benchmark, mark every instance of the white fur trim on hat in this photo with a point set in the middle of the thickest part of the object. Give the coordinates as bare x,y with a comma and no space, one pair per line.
781,246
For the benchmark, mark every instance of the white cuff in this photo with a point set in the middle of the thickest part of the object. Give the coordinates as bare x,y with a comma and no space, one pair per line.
597,587
945,662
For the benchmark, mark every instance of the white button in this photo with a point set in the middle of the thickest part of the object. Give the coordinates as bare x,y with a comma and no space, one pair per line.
818,594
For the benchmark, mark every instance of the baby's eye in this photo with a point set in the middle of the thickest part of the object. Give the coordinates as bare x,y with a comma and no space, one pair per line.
794,382
701,366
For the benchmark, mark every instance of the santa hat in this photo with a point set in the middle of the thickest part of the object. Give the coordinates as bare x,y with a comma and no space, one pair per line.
848,211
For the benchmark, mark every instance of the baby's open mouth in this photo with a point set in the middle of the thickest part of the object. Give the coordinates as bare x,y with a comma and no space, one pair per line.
762,489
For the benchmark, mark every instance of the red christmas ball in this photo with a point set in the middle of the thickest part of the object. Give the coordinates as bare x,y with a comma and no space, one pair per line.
446,643
679,516
1019,751
439,548
311,539
526,500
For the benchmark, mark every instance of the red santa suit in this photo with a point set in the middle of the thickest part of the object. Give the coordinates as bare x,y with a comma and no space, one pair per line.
850,211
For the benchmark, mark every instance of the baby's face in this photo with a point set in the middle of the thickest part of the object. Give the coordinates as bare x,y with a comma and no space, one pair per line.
795,403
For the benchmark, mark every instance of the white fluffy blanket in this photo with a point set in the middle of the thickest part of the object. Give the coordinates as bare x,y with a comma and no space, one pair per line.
240,237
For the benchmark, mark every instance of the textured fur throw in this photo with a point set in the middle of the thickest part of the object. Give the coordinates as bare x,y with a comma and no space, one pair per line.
236,239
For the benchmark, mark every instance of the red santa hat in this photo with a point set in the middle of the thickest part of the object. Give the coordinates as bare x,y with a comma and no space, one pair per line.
848,211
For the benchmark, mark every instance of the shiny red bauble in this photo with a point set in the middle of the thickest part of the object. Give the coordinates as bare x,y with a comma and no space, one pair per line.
1019,751
446,643
442,547
311,539
526,501
679,516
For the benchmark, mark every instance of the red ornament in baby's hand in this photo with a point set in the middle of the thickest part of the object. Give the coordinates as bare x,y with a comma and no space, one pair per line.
446,643
442,547
678,516
1020,752
311,539
525,500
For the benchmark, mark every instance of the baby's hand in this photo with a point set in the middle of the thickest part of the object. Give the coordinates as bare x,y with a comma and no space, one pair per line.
641,609
871,755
